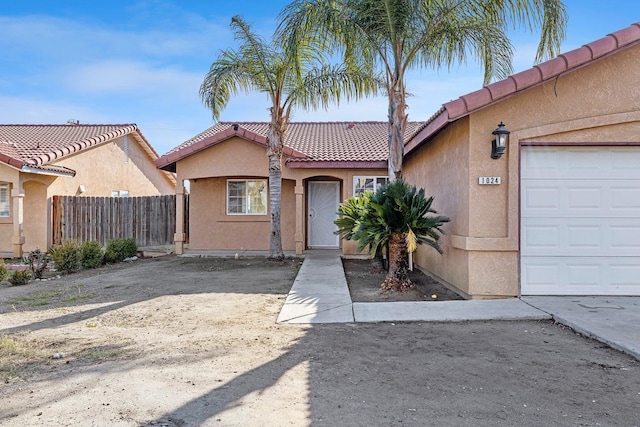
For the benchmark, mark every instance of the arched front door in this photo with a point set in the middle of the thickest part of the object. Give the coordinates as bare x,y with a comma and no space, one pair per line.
322,203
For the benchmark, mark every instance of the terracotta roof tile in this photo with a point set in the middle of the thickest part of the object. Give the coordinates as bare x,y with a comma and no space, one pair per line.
329,143
534,76
37,145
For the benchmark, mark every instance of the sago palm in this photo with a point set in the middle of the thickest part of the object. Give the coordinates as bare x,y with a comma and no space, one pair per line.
397,216
291,76
398,35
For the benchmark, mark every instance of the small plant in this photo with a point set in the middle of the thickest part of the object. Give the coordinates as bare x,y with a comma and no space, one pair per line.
20,277
120,249
91,255
66,257
4,272
38,262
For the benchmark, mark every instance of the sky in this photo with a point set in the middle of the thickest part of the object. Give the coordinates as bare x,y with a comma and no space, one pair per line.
143,62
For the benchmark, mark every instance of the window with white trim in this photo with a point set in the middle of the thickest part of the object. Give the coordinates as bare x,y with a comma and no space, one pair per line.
119,193
368,183
4,200
247,197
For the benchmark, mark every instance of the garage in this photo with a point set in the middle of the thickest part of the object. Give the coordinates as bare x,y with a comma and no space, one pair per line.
580,220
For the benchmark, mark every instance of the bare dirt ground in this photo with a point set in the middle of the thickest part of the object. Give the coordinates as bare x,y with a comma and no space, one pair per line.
364,285
193,342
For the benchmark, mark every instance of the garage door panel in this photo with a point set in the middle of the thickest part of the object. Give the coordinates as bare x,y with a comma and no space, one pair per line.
580,237
581,162
582,276
625,199
580,221
613,198
625,161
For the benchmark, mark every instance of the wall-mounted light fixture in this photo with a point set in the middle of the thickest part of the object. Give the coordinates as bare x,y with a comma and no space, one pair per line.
499,145
81,189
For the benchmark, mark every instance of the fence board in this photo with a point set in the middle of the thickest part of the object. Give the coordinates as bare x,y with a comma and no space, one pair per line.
149,220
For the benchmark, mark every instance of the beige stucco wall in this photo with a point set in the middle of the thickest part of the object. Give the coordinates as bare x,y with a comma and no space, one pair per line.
11,176
36,216
440,168
121,164
210,227
597,104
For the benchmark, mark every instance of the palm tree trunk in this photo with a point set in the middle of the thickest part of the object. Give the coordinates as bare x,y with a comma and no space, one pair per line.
275,203
397,277
275,144
397,125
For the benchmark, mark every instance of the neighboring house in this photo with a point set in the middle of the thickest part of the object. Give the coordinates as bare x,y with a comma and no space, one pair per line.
40,161
557,214
227,170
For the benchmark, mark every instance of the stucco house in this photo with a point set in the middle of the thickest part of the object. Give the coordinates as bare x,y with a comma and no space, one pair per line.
557,213
40,161
227,170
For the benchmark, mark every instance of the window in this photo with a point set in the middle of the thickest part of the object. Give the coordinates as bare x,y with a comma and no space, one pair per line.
368,183
4,200
119,193
247,197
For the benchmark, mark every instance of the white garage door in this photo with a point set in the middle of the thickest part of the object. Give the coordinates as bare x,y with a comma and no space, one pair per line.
580,221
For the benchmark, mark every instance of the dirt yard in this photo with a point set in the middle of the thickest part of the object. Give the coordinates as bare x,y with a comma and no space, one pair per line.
364,285
193,342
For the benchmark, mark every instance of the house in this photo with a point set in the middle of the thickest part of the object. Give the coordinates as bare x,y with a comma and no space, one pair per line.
557,213
227,170
40,161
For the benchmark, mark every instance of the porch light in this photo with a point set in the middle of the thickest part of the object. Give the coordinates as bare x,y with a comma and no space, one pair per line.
499,145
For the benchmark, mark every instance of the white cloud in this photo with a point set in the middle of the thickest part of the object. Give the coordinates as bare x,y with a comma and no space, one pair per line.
117,77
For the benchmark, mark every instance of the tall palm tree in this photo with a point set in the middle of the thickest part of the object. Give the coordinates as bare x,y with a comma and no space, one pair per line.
399,35
291,76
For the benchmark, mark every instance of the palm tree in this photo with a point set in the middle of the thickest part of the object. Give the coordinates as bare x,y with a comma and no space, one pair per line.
398,35
397,216
288,75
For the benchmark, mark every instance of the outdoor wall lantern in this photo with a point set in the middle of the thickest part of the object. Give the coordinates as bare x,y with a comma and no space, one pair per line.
499,144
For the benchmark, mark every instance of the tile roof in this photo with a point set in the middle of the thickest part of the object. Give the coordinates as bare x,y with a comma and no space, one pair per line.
310,144
535,76
37,145
33,148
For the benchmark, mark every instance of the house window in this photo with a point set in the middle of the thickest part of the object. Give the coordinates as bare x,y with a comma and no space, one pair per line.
247,197
119,193
4,200
368,183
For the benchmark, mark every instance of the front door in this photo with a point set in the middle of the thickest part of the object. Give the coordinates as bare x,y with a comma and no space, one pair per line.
324,197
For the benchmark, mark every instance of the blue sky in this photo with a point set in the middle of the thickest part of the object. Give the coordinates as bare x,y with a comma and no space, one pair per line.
143,62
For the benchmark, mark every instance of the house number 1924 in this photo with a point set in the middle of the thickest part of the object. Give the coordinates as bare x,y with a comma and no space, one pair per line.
489,180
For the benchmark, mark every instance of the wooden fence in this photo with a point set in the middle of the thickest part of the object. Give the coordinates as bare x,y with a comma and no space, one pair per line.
151,221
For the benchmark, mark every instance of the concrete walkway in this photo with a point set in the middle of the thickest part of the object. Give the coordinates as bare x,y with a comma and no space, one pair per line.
320,295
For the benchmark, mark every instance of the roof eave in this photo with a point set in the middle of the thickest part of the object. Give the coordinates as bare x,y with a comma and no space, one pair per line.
11,161
37,171
533,77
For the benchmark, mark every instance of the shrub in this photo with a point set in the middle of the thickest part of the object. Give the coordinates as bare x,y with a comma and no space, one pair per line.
129,247
4,272
38,262
20,277
66,257
119,249
91,254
